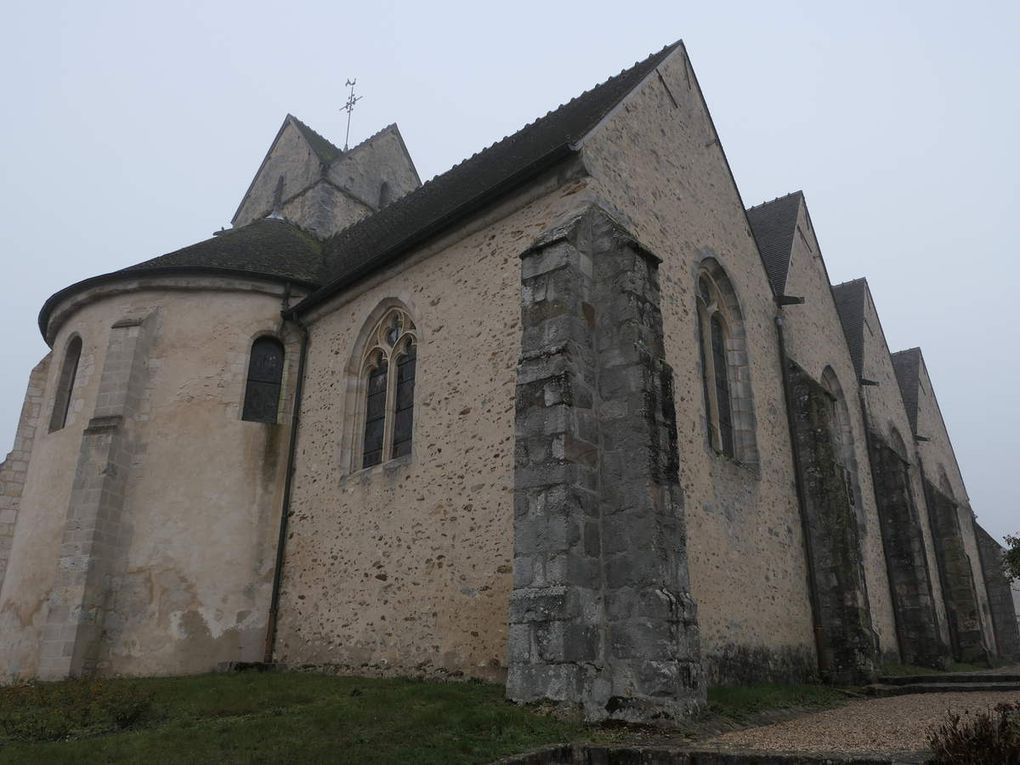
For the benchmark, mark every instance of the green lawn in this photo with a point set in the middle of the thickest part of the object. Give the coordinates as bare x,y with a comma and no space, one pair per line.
298,717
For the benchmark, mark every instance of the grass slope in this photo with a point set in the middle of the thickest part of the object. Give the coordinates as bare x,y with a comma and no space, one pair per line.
297,717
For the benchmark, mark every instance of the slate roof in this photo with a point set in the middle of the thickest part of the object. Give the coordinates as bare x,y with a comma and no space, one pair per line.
908,369
478,180
323,148
774,225
266,248
276,249
849,297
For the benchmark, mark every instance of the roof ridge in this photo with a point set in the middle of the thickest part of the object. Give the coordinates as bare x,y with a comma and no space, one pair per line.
553,111
475,181
798,192
849,282
376,134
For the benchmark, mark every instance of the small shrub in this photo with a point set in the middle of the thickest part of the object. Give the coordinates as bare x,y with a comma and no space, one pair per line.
979,738
70,709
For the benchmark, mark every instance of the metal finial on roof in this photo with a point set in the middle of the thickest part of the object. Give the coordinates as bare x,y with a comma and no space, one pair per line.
349,107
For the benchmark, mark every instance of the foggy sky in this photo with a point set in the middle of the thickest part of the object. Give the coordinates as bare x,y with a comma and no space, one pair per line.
131,130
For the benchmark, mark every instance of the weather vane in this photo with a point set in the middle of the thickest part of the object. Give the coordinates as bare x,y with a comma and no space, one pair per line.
349,107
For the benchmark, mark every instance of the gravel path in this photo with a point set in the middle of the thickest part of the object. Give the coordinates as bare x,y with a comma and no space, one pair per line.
871,726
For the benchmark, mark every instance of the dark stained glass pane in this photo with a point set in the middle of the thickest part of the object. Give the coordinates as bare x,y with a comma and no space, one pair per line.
265,371
375,416
704,382
403,420
722,385
266,361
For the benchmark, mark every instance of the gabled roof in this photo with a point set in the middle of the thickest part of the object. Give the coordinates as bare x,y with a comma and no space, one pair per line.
475,182
849,297
267,249
774,225
324,150
907,365
278,250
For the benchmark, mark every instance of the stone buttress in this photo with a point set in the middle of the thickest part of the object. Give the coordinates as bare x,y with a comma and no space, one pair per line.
14,469
847,638
956,574
907,563
1000,596
601,612
95,532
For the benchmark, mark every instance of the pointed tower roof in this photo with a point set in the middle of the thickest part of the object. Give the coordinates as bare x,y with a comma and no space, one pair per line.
324,150
774,225
907,365
473,183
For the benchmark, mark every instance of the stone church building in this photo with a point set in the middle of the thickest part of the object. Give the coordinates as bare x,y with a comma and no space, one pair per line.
569,416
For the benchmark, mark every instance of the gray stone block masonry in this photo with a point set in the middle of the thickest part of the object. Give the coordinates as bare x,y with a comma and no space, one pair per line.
601,612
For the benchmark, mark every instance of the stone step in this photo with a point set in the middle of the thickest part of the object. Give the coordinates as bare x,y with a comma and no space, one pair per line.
881,689
965,678
596,754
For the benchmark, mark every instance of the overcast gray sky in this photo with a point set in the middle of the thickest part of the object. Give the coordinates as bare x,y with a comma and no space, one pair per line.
131,129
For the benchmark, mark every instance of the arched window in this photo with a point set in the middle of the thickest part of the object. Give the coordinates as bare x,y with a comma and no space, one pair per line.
842,438
725,378
387,375
65,384
265,373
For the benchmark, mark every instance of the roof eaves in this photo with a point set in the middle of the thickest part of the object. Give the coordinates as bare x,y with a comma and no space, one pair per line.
129,274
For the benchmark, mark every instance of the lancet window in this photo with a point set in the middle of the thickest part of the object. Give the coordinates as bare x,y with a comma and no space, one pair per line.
725,377
65,384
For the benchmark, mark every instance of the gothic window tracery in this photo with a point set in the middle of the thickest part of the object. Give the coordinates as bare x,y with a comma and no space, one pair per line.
388,375
265,375
725,379
65,384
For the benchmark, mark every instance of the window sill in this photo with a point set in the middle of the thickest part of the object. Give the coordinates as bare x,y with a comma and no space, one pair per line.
750,467
383,468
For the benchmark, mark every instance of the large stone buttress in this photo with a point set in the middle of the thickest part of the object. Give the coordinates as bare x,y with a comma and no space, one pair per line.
95,532
847,640
601,612
907,561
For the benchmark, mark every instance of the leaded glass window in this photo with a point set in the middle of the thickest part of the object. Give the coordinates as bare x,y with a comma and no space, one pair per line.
265,374
375,414
388,378
403,409
720,368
